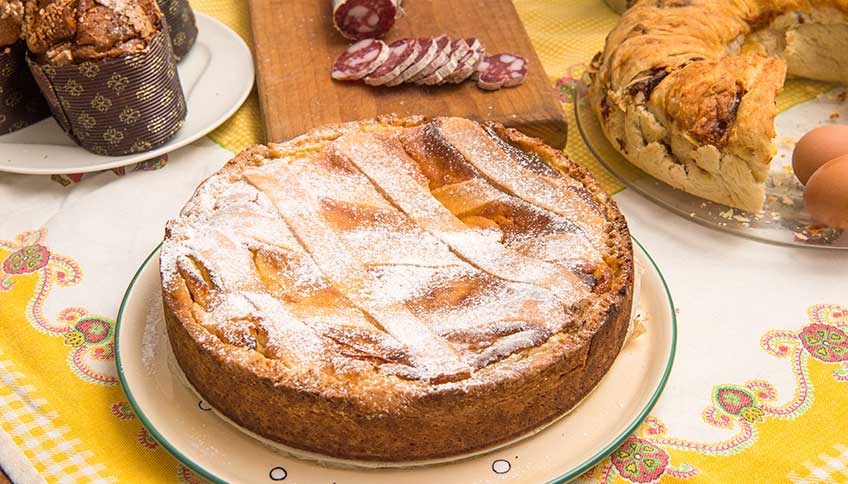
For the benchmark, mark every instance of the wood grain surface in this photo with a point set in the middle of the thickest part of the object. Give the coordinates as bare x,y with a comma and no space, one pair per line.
296,44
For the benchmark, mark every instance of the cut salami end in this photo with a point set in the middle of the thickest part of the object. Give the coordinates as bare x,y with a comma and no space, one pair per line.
360,59
458,50
501,70
427,50
443,52
402,53
360,19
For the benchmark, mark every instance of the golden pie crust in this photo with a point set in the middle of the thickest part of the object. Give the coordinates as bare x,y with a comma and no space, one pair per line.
685,89
398,289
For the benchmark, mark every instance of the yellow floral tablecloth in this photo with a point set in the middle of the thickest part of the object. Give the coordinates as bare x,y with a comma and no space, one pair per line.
759,392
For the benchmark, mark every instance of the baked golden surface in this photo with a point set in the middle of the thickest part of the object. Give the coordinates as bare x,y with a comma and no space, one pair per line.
62,32
685,89
397,289
11,19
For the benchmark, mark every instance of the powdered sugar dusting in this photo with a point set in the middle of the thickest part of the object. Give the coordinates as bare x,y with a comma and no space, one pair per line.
370,155
301,212
375,245
346,260
545,192
151,340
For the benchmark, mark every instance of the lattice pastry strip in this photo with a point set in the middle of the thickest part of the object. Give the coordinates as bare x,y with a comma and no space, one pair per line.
556,194
378,161
433,356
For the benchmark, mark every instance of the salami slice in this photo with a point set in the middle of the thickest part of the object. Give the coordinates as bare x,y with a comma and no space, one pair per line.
501,70
360,59
402,53
469,62
444,46
458,50
427,50
517,72
361,19
475,44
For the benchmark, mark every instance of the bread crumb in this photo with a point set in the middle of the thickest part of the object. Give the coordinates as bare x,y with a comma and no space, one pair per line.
786,141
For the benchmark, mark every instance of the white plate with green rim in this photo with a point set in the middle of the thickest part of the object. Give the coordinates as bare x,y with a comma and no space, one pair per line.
215,449
216,76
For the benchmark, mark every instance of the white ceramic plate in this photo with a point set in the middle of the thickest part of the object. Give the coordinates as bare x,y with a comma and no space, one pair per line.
217,75
220,452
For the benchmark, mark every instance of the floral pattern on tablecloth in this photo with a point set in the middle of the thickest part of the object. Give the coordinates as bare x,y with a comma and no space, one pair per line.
817,355
59,426
90,337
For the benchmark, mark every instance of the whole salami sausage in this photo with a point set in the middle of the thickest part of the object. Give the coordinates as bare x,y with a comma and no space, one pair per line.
361,19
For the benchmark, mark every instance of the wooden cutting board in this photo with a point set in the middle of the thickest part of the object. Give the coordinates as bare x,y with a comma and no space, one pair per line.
296,44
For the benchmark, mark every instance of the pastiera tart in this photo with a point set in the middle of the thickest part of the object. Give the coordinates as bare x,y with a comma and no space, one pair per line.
685,89
397,289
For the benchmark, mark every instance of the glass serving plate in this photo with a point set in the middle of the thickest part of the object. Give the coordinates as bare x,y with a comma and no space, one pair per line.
783,219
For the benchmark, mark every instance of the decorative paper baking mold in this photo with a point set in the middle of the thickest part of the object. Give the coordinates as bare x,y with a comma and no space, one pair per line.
116,106
181,25
21,103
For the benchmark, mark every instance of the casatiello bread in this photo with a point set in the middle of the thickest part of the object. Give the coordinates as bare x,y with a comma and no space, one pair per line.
399,289
685,89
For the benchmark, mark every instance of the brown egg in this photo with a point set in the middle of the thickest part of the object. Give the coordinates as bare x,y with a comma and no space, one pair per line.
826,195
817,147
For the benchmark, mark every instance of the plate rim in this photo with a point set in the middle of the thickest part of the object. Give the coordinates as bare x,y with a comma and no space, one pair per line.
619,439
569,475
164,149
581,98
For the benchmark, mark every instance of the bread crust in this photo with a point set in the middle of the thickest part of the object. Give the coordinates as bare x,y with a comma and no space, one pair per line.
399,420
11,20
685,89
61,32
